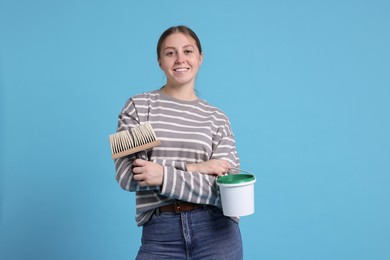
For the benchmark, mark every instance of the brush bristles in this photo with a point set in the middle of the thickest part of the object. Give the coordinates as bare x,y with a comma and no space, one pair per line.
130,141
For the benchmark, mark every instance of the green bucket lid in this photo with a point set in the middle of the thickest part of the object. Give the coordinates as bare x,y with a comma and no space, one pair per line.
236,178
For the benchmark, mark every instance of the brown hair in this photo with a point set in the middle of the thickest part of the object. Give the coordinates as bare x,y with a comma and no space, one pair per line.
177,29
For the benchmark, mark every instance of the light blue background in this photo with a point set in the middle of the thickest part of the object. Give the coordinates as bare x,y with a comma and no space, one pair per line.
305,83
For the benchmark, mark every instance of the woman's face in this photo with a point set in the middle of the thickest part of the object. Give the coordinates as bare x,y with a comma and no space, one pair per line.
180,59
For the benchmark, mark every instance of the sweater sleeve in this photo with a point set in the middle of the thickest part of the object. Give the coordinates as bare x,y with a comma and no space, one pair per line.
128,118
196,187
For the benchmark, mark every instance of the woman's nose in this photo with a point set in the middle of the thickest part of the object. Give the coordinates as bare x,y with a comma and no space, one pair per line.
179,59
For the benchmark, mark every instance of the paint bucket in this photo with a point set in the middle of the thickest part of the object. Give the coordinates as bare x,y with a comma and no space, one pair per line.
237,194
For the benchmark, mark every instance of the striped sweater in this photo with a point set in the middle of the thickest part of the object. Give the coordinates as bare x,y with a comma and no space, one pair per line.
190,132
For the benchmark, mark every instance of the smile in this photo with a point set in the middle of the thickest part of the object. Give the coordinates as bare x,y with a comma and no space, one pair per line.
181,69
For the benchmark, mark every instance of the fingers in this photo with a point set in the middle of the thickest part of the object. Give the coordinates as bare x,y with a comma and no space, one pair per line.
138,166
147,173
137,170
225,166
138,177
212,167
222,167
139,163
141,179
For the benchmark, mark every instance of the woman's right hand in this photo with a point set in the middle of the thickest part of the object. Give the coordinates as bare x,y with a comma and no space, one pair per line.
212,167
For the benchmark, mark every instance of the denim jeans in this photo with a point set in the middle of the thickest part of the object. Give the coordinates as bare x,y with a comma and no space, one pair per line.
203,233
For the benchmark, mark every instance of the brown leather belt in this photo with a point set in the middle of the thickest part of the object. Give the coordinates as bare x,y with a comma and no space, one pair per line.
180,207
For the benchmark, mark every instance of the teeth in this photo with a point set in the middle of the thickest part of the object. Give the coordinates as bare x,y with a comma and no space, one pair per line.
181,69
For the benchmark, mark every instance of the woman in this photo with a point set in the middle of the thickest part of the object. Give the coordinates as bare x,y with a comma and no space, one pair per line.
177,199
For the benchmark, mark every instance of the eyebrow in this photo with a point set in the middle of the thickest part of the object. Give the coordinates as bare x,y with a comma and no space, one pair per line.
185,46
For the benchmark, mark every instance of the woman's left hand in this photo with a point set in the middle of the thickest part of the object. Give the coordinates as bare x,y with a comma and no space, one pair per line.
216,167
148,173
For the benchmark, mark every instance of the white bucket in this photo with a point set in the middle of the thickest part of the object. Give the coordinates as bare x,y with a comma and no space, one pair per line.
237,194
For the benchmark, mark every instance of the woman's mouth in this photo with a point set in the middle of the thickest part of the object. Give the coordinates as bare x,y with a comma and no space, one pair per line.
181,69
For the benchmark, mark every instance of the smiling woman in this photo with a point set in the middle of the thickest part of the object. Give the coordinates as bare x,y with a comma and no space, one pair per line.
175,183
180,57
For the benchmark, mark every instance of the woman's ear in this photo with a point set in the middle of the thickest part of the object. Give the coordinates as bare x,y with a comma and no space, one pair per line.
200,59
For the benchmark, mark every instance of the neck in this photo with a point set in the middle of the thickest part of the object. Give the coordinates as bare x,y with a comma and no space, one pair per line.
184,92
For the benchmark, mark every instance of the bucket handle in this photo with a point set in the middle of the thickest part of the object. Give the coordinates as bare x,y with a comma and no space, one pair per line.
240,170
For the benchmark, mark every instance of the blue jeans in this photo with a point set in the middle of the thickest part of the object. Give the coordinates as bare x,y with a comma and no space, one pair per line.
203,233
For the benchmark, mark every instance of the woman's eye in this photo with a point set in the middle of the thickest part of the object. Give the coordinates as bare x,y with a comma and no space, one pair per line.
170,53
188,51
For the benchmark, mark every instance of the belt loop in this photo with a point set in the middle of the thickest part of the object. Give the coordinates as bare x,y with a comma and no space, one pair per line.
157,211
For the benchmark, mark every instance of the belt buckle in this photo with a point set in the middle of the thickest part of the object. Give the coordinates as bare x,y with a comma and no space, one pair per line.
176,205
